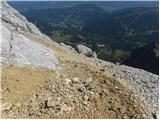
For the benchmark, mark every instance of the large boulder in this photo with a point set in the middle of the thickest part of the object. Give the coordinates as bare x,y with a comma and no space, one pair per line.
67,47
86,51
16,48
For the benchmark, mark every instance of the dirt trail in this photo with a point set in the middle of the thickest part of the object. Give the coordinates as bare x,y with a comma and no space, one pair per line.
81,89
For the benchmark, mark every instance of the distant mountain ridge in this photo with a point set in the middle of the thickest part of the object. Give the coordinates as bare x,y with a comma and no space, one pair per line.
133,19
23,6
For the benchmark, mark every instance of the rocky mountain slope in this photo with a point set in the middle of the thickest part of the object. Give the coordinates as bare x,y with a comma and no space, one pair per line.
42,79
17,49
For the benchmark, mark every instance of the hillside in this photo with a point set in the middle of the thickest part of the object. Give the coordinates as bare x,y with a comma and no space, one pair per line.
46,80
140,25
112,35
142,56
87,24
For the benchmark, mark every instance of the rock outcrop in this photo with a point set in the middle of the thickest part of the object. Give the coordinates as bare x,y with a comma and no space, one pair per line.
16,48
86,51
14,19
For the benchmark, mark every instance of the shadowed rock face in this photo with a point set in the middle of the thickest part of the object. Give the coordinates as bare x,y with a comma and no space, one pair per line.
146,58
19,50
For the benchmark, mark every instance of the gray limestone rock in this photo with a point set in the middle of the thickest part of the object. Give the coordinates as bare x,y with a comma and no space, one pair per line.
67,47
86,51
16,48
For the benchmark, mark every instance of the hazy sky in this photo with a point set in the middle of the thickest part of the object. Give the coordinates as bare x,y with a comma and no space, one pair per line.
82,0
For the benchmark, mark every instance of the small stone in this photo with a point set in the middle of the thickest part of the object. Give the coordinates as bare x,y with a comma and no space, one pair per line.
116,87
58,74
144,116
85,98
65,108
7,89
125,116
51,103
48,84
49,98
105,92
18,104
67,81
120,92
75,80
1,90
33,98
90,86
89,80
84,103
123,109
6,106
81,88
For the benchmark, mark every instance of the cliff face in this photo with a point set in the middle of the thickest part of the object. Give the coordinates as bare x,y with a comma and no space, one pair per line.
82,88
